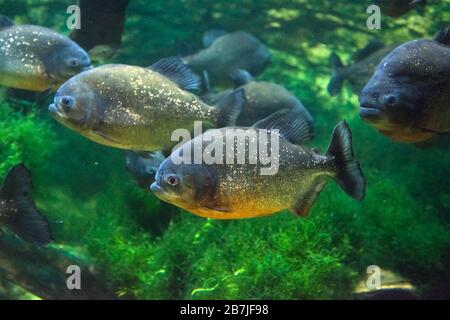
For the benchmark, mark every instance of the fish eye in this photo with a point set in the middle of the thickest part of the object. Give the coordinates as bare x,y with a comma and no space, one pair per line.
67,102
172,180
74,63
390,100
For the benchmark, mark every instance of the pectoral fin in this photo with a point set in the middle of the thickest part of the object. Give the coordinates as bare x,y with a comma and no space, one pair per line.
433,131
104,136
240,77
225,210
305,203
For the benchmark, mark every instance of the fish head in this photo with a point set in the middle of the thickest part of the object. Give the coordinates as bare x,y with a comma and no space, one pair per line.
386,106
188,186
76,105
393,98
66,61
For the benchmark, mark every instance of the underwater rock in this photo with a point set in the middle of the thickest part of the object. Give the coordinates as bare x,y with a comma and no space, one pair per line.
43,271
137,108
408,97
245,188
35,58
392,286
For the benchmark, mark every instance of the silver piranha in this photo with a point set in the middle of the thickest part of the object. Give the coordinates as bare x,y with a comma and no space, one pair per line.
235,190
137,108
37,59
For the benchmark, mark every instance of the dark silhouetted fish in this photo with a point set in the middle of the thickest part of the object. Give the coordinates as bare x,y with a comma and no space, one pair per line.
18,211
359,72
227,52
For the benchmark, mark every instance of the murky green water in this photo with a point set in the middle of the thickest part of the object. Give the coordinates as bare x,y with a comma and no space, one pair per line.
146,249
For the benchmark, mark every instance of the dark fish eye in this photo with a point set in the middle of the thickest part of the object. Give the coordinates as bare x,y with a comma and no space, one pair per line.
375,96
74,63
390,100
67,102
172,180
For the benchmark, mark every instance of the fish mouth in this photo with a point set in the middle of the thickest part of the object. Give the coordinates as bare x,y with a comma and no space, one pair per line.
369,113
155,188
89,67
56,111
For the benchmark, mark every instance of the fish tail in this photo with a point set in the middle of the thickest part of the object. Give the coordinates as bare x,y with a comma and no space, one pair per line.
348,172
22,215
337,76
229,108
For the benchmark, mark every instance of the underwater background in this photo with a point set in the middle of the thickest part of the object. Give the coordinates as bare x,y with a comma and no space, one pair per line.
143,248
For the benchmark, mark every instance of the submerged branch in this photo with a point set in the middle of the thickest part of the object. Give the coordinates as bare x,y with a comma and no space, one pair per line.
42,271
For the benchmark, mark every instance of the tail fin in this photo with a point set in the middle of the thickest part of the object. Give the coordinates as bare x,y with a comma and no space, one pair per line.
229,108
337,78
22,217
349,175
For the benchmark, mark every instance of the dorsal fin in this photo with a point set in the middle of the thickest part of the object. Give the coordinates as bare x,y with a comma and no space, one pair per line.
371,47
174,69
5,22
443,36
292,125
210,36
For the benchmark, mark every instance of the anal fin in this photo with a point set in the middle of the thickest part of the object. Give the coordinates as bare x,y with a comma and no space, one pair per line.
305,203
